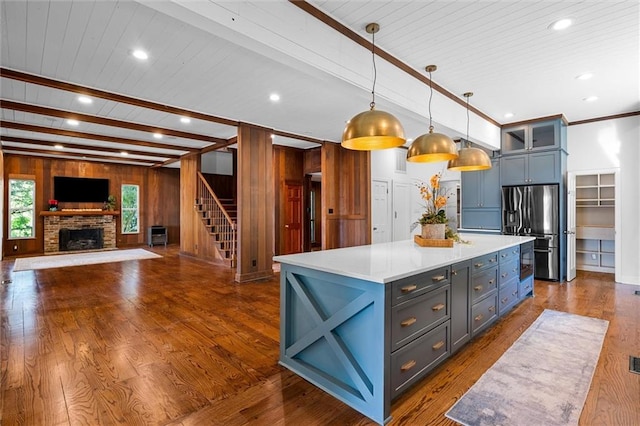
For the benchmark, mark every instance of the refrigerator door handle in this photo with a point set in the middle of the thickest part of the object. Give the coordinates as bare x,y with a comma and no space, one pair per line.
543,251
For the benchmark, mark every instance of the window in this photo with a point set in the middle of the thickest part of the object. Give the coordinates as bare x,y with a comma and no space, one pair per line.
130,209
22,208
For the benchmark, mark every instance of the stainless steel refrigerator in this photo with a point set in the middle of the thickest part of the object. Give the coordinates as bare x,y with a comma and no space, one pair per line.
534,210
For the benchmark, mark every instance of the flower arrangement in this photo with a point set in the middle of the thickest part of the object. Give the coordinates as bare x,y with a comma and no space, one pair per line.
435,198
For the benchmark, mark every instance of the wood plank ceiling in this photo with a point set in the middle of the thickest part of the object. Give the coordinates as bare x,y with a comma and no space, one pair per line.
54,51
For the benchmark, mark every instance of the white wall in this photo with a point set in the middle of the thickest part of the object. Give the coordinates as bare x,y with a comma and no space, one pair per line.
383,166
614,144
217,162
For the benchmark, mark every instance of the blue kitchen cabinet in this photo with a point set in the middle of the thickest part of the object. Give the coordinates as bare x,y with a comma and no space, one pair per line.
481,198
530,169
533,137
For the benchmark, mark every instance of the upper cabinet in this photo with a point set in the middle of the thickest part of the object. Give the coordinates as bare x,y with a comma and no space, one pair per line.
532,137
533,153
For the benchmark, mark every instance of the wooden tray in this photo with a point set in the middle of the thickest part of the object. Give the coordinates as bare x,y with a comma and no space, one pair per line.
424,242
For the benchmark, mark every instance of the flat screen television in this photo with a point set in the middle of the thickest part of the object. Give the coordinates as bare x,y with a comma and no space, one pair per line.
80,190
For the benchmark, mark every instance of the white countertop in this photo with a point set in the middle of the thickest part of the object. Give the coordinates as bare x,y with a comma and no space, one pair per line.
386,262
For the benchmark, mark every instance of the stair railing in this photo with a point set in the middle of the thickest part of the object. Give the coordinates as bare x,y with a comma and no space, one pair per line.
223,224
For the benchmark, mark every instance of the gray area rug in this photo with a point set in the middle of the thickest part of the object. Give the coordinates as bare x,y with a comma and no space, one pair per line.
78,259
542,379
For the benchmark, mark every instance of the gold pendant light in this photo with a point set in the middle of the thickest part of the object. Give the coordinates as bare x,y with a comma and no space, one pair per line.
432,147
470,159
371,130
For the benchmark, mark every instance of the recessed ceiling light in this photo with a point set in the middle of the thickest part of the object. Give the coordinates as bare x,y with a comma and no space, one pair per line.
274,97
58,146
124,153
85,100
585,76
72,122
590,98
185,120
561,24
273,136
508,115
157,135
140,54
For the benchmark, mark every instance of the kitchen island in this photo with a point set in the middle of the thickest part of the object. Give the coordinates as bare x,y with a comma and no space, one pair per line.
365,323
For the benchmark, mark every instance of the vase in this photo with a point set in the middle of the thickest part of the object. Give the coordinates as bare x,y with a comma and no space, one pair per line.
433,231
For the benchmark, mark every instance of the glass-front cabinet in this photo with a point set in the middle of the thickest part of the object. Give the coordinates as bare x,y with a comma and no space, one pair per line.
531,137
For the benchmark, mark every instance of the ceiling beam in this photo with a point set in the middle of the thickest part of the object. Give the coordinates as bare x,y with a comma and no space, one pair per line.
36,109
52,153
347,32
216,147
88,91
76,145
94,136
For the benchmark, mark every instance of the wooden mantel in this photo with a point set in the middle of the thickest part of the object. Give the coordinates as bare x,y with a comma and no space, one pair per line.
80,213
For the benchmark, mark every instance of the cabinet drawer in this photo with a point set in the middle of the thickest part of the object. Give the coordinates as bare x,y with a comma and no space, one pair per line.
525,287
484,313
509,253
483,283
416,316
407,288
509,271
413,361
508,295
483,262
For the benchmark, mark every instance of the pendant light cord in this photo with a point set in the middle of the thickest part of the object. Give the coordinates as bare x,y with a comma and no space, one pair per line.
375,71
467,144
430,96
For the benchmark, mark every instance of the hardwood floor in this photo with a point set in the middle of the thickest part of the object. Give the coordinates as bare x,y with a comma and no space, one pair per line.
175,341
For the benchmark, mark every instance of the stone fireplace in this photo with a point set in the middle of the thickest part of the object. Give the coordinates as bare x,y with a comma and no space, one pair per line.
84,229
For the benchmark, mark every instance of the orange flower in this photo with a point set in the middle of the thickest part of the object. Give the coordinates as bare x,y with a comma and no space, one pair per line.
434,199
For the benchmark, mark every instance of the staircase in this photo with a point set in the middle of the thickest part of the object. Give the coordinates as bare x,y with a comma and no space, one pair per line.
219,216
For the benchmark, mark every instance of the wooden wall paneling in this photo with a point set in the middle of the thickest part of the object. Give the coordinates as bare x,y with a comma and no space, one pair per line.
223,185
346,197
162,209
313,160
255,203
190,223
44,169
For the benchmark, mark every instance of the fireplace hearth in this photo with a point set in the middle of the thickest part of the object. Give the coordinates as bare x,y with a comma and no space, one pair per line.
81,239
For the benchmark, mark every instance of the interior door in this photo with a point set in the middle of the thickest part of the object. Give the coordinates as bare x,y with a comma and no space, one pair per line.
380,212
402,212
571,226
293,219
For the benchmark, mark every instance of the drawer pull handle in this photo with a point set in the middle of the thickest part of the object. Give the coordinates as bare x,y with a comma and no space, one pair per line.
438,278
505,274
505,300
438,345
408,288
478,288
491,281
454,272
492,308
479,317
408,366
504,255
493,259
478,265
515,293
438,307
408,322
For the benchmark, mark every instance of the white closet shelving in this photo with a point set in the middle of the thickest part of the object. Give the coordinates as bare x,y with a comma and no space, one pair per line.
595,222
